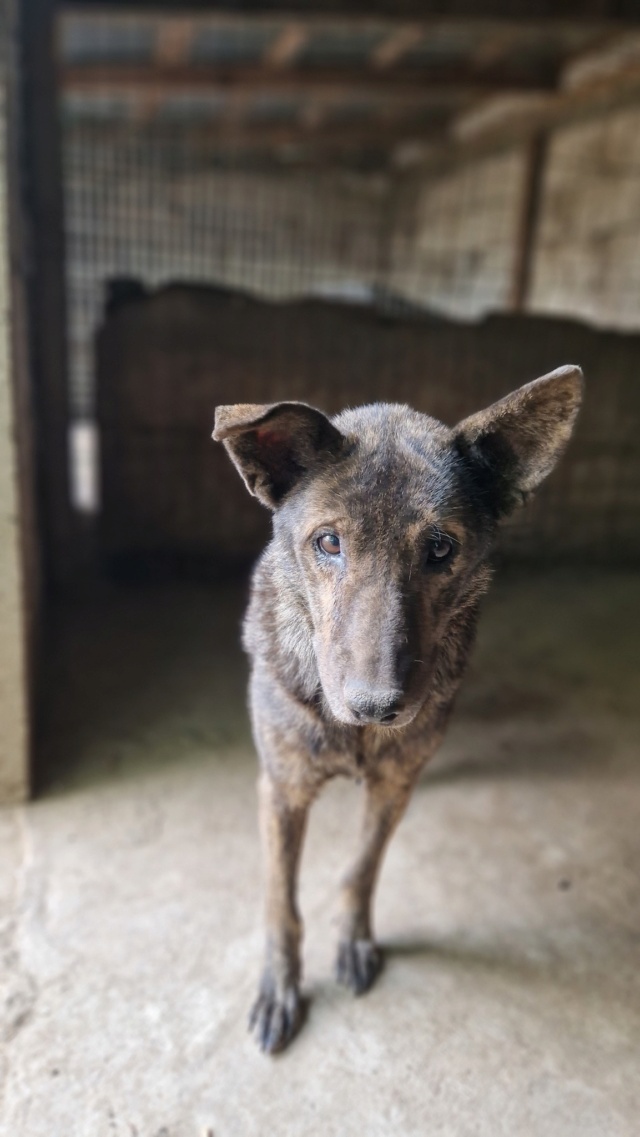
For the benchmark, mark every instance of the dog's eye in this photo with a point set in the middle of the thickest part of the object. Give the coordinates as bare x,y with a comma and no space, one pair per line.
329,543
439,550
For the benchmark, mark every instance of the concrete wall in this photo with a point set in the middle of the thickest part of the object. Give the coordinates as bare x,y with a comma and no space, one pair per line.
455,242
587,258
455,246
17,562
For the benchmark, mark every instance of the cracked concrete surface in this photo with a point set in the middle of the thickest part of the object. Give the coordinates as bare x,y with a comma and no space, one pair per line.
509,907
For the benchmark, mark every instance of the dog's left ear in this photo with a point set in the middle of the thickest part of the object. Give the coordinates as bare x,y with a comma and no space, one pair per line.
517,441
274,445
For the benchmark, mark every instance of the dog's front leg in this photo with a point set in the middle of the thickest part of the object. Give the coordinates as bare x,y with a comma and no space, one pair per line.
275,1016
359,960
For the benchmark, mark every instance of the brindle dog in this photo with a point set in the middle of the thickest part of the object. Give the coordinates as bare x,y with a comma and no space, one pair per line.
362,615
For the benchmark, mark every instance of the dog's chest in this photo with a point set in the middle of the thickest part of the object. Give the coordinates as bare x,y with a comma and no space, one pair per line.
358,753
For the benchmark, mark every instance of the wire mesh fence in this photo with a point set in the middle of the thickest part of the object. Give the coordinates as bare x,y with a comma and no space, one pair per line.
153,206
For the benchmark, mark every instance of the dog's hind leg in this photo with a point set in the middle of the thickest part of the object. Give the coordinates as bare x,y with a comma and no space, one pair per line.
275,1016
359,959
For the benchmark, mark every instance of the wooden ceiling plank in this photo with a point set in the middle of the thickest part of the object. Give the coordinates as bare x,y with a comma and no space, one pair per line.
396,45
287,46
174,37
407,82
555,111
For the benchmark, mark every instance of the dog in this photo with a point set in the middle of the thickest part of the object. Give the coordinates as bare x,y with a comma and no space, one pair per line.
361,618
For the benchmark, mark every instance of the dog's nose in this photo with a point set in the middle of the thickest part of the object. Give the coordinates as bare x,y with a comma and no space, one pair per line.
372,706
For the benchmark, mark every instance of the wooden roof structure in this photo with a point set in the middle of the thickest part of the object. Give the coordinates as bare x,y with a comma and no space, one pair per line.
378,85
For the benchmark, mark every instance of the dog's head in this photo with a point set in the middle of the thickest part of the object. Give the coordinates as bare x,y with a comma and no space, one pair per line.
383,521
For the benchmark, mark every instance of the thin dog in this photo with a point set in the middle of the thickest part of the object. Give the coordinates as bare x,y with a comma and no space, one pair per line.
362,615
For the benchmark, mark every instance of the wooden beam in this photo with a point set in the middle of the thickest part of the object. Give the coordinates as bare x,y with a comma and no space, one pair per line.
397,43
600,60
173,41
528,222
410,84
287,46
552,112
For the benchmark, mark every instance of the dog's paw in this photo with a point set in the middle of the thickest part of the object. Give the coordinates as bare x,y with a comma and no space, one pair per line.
275,1019
358,964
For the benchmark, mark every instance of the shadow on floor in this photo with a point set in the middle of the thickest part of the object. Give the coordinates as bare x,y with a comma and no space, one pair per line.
133,668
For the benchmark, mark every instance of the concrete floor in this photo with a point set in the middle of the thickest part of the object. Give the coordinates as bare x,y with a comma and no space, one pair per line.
509,908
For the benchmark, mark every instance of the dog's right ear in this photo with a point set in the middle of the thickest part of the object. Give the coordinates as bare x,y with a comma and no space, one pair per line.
516,442
275,445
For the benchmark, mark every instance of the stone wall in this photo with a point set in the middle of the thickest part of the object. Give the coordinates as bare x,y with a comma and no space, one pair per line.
587,259
454,247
